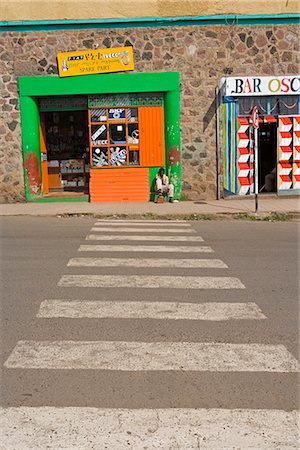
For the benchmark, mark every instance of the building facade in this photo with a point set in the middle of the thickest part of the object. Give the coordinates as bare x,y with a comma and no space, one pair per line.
277,101
102,137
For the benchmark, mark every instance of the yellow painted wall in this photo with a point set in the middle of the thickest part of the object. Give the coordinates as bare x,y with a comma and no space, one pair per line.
15,10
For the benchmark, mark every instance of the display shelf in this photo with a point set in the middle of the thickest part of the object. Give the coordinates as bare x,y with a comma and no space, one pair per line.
69,173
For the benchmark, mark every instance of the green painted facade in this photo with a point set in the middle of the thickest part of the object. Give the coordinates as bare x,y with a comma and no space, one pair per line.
172,137
32,88
31,146
79,199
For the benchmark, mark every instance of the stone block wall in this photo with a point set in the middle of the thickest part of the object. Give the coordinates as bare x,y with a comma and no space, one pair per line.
201,54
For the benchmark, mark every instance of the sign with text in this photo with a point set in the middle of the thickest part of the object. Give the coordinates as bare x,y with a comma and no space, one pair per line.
250,86
87,62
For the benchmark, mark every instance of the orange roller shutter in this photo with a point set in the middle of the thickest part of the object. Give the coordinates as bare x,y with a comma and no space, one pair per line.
151,132
119,185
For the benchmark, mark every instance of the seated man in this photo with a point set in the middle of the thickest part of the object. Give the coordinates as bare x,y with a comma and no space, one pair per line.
162,185
270,181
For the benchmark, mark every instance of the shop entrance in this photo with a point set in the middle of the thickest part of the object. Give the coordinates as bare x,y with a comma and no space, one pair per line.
66,153
267,157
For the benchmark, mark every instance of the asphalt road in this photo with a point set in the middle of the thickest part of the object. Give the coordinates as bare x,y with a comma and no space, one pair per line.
35,252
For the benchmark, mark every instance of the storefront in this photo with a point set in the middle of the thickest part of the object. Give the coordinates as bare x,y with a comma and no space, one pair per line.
99,138
278,103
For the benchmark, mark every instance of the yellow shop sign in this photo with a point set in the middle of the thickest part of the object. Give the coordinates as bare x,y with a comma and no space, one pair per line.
86,62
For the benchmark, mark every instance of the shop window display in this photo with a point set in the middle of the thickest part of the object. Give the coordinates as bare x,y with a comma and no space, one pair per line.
114,137
100,156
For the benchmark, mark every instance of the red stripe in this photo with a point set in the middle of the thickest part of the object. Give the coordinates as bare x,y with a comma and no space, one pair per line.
286,120
285,149
270,119
242,135
285,165
244,181
243,121
244,166
285,134
297,133
297,119
244,151
285,178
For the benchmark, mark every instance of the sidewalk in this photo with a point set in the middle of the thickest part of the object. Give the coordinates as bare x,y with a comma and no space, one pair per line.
230,208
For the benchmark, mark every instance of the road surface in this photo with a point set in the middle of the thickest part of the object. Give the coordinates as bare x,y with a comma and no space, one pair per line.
169,335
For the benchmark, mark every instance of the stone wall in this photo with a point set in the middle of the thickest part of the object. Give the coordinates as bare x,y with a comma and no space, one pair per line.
201,54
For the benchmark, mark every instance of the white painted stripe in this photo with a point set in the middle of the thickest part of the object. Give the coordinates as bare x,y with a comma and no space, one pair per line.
150,281
117,223
143,230
148,356
150,310
112,237
144,248
171,428
147,262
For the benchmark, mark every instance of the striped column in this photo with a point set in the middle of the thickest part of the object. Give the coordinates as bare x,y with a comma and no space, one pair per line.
285,153
296,152
229,148
245,157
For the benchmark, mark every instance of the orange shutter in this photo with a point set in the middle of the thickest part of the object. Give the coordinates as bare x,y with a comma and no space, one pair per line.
151,132
119,185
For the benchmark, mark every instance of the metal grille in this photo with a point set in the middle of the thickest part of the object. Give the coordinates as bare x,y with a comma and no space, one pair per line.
139,99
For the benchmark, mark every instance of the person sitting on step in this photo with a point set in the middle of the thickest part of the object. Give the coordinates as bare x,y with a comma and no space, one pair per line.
162,186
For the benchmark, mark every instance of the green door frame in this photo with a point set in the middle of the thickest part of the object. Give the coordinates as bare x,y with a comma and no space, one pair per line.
31,88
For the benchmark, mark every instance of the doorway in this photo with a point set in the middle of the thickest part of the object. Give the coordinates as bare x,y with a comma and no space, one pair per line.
267,157
67,152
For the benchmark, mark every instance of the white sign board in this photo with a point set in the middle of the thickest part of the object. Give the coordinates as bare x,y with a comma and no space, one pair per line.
254,117
253,86
98,132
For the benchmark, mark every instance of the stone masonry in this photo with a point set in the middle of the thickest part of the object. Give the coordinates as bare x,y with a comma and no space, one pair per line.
201,54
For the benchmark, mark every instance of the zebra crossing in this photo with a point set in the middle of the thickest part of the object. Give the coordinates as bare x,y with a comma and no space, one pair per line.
141,356
169,428
153,310
147,262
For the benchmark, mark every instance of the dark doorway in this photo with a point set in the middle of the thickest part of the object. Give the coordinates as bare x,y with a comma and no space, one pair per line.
267,157
66,134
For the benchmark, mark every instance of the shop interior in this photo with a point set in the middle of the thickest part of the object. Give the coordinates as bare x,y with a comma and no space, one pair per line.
67,144
267,157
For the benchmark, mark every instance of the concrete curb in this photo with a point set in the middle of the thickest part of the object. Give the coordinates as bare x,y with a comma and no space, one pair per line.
266,217
224,209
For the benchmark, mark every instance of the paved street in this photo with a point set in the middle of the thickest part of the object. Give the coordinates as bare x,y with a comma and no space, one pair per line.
143,335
